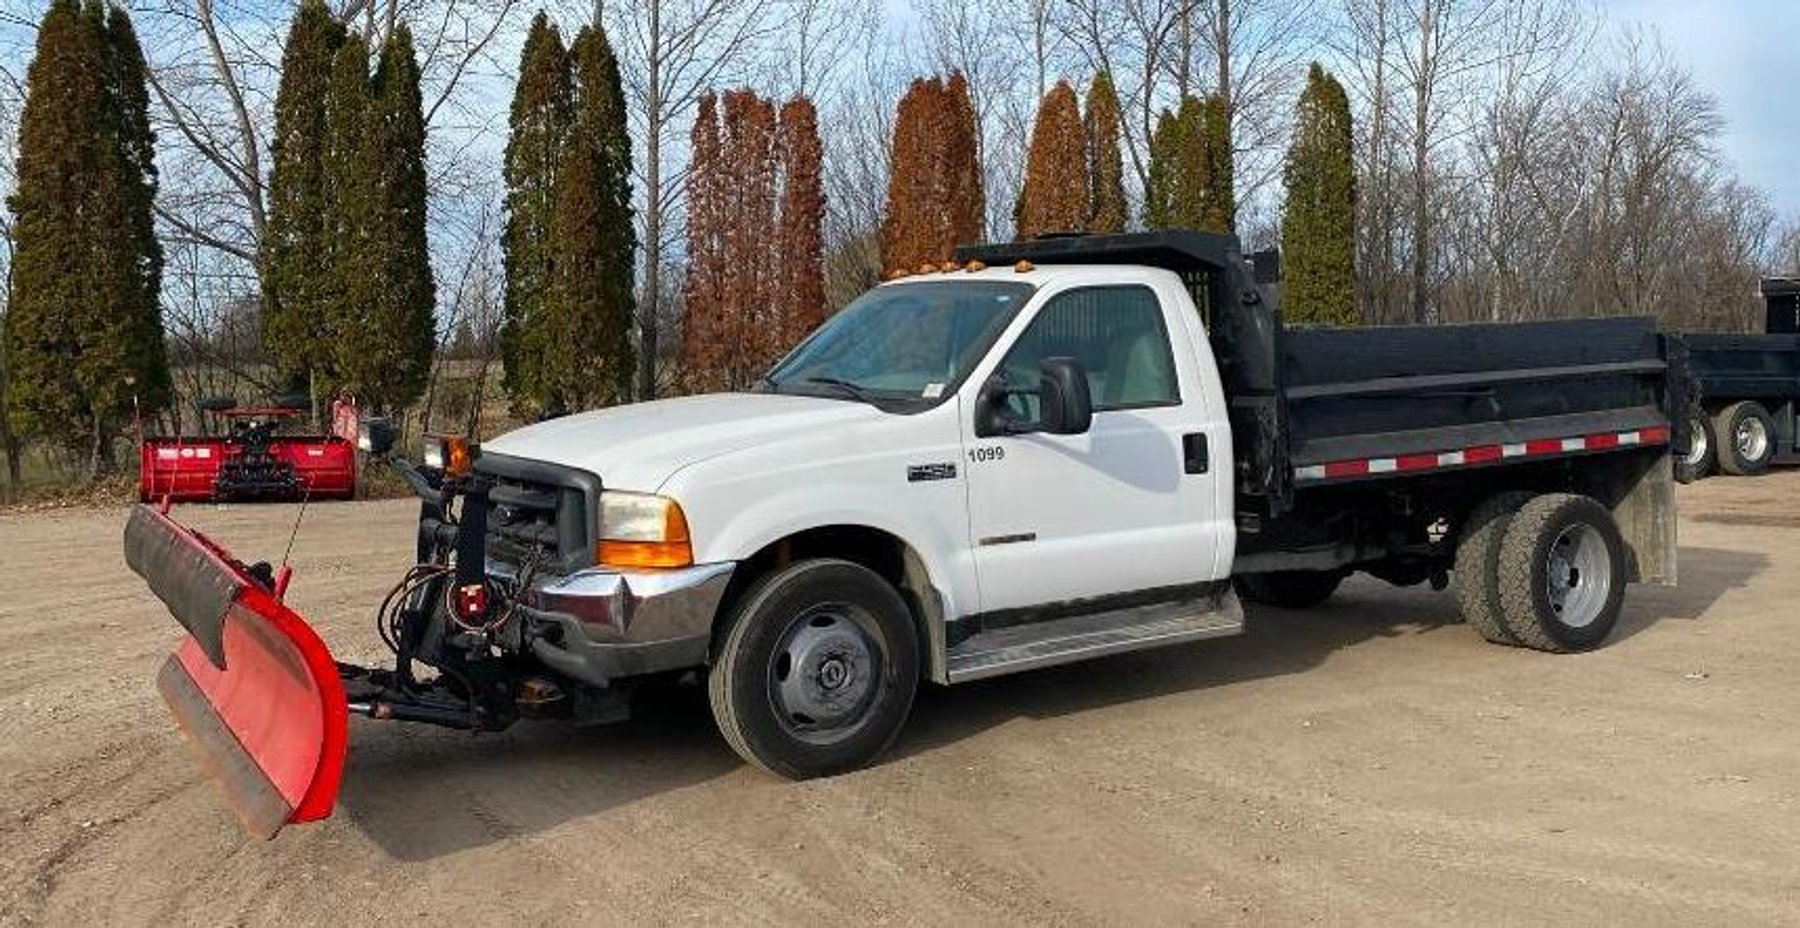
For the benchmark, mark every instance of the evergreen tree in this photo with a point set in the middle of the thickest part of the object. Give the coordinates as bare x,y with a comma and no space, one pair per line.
1318,224
1190,185
935,199
1219,213
703,292
129,93
296,248
1174,196
84,332
1055,193
591,303
541,110
1105,165
965,201
912,196
350,284
750,296
387,358
802,248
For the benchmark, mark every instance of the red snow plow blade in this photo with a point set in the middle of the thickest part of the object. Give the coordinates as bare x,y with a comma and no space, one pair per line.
253,687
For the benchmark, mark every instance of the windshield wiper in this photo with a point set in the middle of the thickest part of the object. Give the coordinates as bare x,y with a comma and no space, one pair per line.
854,391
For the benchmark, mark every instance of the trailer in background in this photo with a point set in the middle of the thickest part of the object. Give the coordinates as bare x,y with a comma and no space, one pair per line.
247,457
1749,386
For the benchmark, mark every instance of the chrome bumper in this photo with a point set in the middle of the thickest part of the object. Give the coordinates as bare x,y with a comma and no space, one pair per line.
598,625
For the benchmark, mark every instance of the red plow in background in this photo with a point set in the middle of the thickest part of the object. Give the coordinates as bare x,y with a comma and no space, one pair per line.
252,686
249,460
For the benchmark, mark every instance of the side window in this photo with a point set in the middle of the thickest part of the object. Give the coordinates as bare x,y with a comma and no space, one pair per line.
1116,333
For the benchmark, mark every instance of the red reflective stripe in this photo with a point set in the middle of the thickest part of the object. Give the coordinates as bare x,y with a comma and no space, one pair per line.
1479,454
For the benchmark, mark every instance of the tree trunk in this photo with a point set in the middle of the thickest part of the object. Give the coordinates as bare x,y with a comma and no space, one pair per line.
652,308
14,470
1184,45
1421,208
1222,43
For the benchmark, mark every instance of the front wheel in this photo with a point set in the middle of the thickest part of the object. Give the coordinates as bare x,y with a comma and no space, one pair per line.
817,670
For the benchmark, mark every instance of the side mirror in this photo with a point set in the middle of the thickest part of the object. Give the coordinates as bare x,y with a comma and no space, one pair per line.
1064,407
375,436
1063,400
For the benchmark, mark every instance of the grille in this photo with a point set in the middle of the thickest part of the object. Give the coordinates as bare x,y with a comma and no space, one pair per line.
542,512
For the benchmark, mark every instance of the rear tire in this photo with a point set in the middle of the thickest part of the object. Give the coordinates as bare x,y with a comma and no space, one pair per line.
1561,573
1290,589
816,673
1744,433
1478,563
1703,448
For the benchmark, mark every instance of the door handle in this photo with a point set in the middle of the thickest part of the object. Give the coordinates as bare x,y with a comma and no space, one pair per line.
1194,457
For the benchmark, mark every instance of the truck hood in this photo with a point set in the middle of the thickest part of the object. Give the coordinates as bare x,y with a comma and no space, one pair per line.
640,446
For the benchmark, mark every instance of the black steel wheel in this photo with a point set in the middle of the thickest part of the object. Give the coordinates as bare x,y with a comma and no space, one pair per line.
817,671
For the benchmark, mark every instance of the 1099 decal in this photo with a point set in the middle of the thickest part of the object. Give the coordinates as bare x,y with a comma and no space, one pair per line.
986,453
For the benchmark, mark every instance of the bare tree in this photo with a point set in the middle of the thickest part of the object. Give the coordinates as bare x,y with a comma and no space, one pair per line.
1258,51
1135,41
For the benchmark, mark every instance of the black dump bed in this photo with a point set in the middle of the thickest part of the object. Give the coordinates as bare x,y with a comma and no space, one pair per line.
1765,368
1379,394
1740,367
1313,406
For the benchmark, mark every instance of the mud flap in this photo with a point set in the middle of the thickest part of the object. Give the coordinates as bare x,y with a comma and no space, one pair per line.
253,687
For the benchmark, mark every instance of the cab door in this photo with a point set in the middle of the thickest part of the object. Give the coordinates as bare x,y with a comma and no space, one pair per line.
1133,505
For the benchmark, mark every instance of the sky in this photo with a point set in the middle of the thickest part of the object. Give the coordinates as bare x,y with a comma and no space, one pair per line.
1742,51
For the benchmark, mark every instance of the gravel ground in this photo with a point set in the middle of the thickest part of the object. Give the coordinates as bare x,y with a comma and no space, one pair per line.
1370,761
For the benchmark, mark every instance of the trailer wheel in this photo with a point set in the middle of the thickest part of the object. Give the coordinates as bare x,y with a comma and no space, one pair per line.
1702,454
1290,589
817,671
1478,563
1746,438
1561,573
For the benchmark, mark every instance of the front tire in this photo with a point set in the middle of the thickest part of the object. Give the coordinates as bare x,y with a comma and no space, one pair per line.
1290,589
1561,573
816,673
1745,434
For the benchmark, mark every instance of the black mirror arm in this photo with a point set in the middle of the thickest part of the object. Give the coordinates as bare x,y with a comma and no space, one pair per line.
422,484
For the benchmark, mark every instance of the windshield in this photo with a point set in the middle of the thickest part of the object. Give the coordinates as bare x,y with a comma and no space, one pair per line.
902,345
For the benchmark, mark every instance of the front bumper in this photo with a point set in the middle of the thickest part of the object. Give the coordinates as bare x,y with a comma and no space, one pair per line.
598,625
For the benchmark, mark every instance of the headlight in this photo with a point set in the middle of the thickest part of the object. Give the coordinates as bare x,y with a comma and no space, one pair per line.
642,530
453,455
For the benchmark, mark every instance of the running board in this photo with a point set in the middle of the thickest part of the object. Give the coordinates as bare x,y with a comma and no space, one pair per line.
1077,638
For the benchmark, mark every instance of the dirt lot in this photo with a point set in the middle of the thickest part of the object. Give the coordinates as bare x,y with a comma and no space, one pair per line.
1366,762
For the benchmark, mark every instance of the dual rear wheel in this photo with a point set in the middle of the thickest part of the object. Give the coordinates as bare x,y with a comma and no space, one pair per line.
1737,439
1546,572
